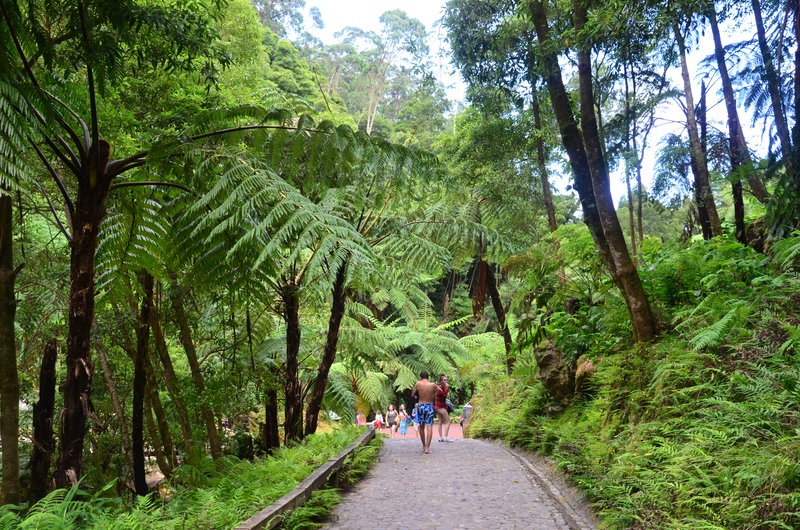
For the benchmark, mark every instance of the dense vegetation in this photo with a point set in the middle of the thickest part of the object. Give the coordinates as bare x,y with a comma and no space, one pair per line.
219,235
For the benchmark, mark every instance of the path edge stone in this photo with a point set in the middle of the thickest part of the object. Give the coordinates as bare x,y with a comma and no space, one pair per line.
574,519
273,514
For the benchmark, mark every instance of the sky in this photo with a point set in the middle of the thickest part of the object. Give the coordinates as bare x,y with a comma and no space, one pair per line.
365,14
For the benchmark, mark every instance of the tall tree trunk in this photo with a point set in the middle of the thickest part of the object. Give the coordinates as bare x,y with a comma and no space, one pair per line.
293,404
500,312
547,193
629,117
541,160
93,188
703,194
162,424
43,441
271,434
702,212
194,366
9,379
139,384
644,326
338,300
570,136
740,155
773,85
155,440
116,403
171,381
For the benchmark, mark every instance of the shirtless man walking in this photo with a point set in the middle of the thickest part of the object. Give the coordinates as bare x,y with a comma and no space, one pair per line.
426,391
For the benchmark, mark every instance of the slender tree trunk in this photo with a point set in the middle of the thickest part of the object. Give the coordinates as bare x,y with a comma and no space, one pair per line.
93,189
773,84
628,119
162,424
171,380
139,384
639,187
571,137
9,379
796,129
338,300
197,375
272,437
541,160
702,212
500,312
155,440
43,442
644,326
293,405
116,404
740,155
702,185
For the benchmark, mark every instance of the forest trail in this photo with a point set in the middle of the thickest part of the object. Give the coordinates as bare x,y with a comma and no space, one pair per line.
463,484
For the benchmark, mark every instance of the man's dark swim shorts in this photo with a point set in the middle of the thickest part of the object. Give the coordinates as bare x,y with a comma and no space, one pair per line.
425,413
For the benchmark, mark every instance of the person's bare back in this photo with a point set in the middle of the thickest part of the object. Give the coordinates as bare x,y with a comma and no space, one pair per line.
426,390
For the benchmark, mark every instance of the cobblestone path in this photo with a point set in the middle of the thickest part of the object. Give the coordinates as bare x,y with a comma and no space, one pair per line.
463,484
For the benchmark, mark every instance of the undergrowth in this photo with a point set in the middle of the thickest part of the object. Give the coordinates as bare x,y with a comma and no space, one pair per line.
210,495
315,510
699,430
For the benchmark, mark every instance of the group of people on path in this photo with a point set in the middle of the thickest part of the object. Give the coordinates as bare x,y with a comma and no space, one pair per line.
397,420
432,402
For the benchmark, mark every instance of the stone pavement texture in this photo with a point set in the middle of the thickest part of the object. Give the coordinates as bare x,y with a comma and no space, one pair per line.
463,484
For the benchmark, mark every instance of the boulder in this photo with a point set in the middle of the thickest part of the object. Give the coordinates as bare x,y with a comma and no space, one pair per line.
556,375
584,371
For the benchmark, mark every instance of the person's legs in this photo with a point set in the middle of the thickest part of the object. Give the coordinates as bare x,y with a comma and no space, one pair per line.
422,436
446,425
428,437
444,419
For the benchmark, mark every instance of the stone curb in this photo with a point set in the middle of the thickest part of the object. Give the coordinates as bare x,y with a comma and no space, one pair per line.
272,515
573,518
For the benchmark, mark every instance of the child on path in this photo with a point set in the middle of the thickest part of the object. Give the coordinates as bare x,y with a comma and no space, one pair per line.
404,419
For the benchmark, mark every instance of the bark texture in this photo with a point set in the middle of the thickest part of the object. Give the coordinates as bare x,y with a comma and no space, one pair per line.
9,379
570,135
338,300
740,155
500,312
197,375
702,186
271,438
644,327
293,404
773,84
139,385
43,441
90,208
116,403
171,381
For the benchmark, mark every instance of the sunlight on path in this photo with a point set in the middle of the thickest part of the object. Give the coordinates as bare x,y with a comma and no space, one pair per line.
463,484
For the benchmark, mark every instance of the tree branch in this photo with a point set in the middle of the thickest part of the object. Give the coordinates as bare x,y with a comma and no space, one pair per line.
56,177
151,183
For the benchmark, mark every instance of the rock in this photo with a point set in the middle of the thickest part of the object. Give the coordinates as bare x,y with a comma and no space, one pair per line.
585,370
556,375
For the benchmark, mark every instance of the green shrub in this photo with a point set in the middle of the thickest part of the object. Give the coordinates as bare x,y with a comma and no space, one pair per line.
206,495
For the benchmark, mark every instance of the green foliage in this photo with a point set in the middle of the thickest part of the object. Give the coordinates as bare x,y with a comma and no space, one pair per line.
694,431
321,504
201,495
